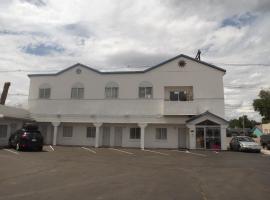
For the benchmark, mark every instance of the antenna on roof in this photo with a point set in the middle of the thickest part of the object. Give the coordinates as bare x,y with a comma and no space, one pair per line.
198,56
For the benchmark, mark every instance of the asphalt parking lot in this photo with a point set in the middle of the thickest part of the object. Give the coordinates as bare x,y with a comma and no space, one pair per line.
104,173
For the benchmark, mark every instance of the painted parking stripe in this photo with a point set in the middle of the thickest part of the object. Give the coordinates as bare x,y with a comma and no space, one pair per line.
51,147
122,151
188,152
14,152
157,152
89,149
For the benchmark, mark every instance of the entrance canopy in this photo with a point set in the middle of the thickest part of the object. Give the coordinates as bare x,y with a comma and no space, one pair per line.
206,118
207,131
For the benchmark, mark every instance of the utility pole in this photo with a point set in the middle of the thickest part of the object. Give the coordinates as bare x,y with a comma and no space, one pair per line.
244,124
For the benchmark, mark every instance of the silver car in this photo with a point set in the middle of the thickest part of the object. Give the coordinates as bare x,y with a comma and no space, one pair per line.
244,143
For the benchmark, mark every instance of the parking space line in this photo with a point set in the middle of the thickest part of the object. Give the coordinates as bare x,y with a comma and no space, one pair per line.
15,152
188,152
51,147
157,152
89,149
122,151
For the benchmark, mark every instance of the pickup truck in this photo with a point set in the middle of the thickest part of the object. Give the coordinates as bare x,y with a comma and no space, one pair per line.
265,141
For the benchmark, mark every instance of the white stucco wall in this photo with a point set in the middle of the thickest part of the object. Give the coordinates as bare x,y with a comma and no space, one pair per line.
207,84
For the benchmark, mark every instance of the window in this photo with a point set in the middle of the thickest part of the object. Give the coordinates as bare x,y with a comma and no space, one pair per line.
67,131
145,90
135,133
3,131
77,91
161,133
184,93
111,90
91,132
44,93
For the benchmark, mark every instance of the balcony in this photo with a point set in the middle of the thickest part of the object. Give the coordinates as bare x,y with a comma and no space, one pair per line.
180,108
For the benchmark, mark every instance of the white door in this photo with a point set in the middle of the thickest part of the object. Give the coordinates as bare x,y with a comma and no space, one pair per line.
106,136
182,138
118,136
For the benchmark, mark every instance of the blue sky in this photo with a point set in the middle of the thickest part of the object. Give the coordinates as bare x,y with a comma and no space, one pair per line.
49,35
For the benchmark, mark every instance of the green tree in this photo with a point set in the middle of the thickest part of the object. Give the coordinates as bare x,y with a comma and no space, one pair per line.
262,105
238,123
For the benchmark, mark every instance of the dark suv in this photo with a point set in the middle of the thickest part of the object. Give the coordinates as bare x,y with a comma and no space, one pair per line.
265,141
28,137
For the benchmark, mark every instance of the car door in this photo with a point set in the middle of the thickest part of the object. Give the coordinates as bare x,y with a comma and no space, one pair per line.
234,144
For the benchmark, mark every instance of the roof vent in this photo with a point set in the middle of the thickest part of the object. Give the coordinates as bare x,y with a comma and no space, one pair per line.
182,63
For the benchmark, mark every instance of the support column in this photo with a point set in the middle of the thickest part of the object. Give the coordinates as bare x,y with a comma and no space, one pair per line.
55,131
192,136
97,125
142,127
223,137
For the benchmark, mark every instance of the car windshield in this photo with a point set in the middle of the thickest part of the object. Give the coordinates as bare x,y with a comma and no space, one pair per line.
245,139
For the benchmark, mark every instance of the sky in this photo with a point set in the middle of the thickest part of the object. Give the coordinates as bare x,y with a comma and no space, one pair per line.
49,35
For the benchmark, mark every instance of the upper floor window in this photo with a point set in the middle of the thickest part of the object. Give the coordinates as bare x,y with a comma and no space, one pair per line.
111,90
182,93
145,90
44,91
77,91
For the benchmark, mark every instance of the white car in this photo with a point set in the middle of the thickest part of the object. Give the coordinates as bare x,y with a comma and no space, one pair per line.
244,143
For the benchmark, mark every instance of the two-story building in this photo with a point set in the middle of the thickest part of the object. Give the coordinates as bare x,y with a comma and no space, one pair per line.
178,103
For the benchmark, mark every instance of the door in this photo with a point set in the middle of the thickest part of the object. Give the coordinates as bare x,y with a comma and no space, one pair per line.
118,136
182,138
200,138
106,136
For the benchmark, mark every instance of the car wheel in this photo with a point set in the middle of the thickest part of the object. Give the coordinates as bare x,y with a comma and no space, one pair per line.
238,148
18,148
40,148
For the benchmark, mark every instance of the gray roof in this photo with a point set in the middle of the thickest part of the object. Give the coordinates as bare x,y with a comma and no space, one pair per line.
12,112
131,72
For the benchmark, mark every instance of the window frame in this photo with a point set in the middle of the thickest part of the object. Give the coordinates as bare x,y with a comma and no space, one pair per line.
161,134
64,133
135,133
77,93
111,92
91,132
143,94
44,93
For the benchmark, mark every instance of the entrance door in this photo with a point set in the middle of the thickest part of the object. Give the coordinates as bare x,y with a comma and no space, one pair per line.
212,138
182,138
118,136
106,136
200,138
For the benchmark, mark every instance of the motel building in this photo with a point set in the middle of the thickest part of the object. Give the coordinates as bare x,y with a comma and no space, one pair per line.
178,103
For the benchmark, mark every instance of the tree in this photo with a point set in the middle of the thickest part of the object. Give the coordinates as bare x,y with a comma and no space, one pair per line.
262,105
238,123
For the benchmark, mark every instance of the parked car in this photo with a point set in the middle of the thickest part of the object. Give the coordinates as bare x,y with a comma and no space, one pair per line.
27,138
244,143
265,141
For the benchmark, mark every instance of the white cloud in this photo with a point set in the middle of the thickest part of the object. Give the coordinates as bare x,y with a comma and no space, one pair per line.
118,33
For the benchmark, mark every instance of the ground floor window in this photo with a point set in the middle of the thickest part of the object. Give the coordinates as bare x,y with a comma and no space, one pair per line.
67,131
161,133
91,132
135,133
208,137
3,131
